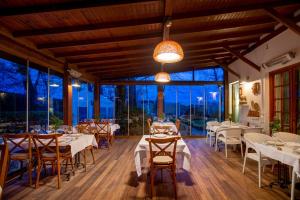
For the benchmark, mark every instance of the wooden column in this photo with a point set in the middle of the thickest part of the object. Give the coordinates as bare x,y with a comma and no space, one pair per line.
160,101
96,101
67,101
226,94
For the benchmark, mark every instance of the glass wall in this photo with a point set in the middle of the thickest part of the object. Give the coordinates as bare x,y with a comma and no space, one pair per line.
194,104
82,101
29,95
55,95
13,89
37,99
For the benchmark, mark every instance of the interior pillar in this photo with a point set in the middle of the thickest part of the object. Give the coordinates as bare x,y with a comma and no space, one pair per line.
96,101
226,94
67,100
160,101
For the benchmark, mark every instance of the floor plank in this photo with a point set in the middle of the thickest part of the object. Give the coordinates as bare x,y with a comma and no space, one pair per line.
113,176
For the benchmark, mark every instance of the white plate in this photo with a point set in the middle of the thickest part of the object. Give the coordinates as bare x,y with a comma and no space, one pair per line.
273,142
160,135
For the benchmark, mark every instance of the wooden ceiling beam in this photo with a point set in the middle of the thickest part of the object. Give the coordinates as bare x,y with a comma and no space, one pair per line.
225,67
138,48
282,19
124,62
239,32
104,51
239,8
194,51
142,66
99,41
88,27
240,56
68,6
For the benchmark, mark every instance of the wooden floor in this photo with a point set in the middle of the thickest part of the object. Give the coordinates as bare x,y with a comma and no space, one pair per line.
114,177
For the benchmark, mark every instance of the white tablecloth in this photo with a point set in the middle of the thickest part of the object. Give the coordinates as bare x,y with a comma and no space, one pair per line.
78,142
220,127
167,124
286,155
140,153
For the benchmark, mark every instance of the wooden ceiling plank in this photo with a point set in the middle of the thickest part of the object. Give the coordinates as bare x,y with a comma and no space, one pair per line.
88,27
133,49
98,41
188,52
239,8
68,6
240,56
146,37
282,19
225,67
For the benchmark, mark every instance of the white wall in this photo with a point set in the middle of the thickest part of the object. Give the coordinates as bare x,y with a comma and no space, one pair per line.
283,43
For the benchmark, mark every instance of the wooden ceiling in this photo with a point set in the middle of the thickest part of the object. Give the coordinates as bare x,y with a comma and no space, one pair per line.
115,39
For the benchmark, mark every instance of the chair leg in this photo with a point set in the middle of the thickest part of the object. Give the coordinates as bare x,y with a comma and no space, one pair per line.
210,140
259,173
30,172
38,174
226,150
293,185
152,175
84,160
72,165
244,165
58,174
216,145
242,150
92,152
206,140
66,166
174,181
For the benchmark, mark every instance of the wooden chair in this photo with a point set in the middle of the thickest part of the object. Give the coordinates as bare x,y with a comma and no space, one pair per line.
161,130
149,121
163,156
103,133
177,124
49,151
86,128
20,149
3,166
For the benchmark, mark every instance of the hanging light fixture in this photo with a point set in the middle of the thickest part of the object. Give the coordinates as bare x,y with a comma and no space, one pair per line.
76,83
168,51
162,77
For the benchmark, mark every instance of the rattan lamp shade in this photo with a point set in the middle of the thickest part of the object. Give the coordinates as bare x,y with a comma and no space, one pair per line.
168,51
162,77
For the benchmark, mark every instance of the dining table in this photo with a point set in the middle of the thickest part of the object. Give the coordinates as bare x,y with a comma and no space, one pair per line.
287,153
76,141
140,153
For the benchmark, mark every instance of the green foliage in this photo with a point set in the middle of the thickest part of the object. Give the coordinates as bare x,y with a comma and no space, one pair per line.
275,125
55,122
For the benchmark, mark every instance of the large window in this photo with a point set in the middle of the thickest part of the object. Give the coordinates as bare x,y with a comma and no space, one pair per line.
82,101
284,105
193,104
13,91
38,98
55,95
29,95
